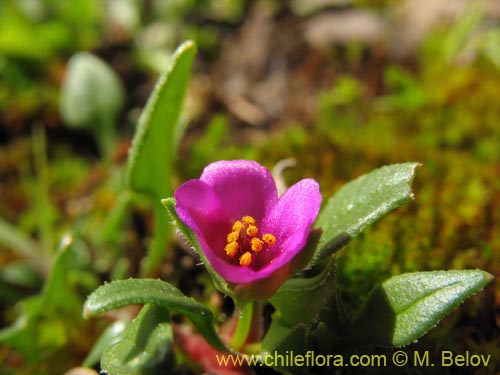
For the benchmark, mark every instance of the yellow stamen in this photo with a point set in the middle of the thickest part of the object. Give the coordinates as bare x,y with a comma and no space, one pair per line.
252,230
231,249
246,259
237,226
269,239
248,220
256,244
233,236
243,241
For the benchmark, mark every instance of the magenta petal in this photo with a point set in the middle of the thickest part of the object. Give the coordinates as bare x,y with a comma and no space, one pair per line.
291,220
229,190
245,187
199,208
237,274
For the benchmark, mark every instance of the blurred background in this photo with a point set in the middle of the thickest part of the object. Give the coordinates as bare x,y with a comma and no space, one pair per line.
341,86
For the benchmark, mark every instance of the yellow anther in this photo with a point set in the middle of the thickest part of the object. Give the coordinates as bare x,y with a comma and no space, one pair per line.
252,230
237,226
269,239
246,259
231,249
256,244
248,220
233,236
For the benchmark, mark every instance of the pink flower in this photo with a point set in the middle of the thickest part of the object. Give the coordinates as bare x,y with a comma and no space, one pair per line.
246,232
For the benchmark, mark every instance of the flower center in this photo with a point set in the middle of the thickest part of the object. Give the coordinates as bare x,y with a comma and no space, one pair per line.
244,244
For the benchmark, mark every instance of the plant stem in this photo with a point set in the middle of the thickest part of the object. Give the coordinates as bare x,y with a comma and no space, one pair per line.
106,136
116,217
22,244
42,201
243,327
162,233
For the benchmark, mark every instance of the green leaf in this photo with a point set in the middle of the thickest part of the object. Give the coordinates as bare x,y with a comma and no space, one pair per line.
301,300
360,203
19,242
154,146
59,289
152,155
91,92
111,335
142,291
22,273
405,307
92,97
299,303
282,340
189,235
145,347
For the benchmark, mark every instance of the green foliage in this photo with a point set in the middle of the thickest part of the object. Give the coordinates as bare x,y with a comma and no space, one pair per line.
153,152
155,143
113,334
283,339
143,291
405,307
32,37
146,345
301,300
48,321
362,202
